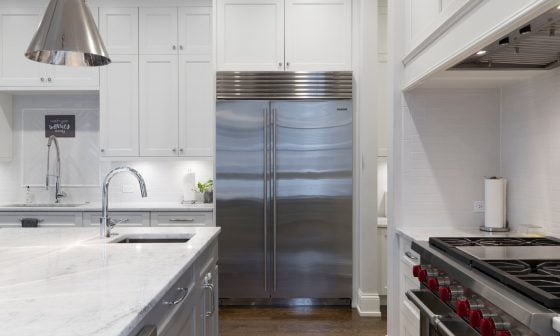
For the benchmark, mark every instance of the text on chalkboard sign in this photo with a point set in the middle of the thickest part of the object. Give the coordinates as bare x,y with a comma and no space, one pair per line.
61,126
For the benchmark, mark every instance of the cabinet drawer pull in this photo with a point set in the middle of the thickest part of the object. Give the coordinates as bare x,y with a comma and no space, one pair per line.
184,291
187,220
410,256
210,286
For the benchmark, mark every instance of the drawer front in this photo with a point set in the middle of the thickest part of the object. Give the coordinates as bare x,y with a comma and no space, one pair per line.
181,219
131,219
46,219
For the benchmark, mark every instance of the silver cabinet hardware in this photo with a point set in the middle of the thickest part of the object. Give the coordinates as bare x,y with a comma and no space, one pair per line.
274,188
180,47
174,47
40,220
174,150
266,193
280,64
184,291
410,256
186,220
208,285
49,79
287,64
43,79
102,150
181,150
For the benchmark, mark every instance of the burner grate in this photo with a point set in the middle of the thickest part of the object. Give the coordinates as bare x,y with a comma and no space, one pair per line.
513,267
549,284
549,268
501,242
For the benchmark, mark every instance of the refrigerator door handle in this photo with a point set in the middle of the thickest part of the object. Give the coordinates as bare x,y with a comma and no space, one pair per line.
266,195
274,192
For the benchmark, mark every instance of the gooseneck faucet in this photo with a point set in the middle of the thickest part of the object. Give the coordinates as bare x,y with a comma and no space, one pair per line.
58,192
107,223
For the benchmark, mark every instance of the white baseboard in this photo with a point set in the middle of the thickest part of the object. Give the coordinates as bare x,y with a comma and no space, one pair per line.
369,304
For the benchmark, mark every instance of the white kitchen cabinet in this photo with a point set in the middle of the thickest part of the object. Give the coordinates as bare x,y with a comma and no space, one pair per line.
158,31
46,219
119,29
181,219
196,106
250,35
17,27
126,219
318,35
159,105
118,106
382,252
410,319
6,127
409,314
195,31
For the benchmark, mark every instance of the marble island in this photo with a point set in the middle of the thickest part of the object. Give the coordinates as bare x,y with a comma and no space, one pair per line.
68,281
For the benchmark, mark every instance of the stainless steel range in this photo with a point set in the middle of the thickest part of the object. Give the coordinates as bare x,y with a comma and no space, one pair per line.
499,286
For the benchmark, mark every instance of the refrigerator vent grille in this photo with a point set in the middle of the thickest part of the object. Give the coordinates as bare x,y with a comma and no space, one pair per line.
282,85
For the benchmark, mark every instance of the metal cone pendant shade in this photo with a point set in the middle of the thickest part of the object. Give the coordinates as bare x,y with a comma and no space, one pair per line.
68,36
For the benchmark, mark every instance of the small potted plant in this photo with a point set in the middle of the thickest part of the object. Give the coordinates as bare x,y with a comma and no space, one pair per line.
207,190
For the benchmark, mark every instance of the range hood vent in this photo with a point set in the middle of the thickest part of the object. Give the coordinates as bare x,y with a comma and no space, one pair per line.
533,46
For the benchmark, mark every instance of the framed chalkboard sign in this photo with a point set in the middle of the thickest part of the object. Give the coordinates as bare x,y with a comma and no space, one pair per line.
61,126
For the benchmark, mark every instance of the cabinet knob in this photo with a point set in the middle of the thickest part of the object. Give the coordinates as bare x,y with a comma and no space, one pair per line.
174,150
180,47
102,150
42,79
181,150
287,64
174,47
280,64
49,79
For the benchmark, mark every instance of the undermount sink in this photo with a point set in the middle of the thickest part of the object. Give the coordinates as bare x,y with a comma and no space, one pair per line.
44,205
152,239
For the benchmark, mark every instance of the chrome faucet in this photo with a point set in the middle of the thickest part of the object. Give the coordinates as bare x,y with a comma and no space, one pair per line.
106,223
58,194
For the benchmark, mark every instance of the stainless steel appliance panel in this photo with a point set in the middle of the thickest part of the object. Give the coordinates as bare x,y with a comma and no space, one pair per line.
240,198
312,202
512,252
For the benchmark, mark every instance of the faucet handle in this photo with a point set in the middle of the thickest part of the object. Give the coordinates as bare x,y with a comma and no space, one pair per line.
113,222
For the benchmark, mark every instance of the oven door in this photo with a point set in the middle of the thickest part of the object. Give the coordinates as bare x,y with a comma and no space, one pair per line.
437,318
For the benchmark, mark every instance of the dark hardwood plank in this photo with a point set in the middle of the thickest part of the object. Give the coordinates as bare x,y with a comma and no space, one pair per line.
298,321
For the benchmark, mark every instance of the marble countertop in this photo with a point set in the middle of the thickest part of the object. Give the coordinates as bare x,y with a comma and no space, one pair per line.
423,233
113,206
68,281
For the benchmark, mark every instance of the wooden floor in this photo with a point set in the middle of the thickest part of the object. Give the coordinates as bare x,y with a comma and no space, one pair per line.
298,321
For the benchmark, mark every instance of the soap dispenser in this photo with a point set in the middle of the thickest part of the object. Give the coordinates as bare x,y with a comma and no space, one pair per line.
28,195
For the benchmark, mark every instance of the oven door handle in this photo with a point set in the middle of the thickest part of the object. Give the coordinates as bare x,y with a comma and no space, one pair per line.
417,301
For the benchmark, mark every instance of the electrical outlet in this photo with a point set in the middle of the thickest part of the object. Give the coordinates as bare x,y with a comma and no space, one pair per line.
127,188
478,206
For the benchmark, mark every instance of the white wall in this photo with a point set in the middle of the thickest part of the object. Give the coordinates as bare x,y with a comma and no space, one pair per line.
449,142
530,149
82,169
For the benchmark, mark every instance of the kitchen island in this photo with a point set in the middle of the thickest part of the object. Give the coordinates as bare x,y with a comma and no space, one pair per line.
68,281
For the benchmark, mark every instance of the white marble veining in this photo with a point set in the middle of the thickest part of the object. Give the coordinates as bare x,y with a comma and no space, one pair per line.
67,281
138,206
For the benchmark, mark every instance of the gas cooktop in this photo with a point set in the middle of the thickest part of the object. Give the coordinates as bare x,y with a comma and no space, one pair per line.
528,265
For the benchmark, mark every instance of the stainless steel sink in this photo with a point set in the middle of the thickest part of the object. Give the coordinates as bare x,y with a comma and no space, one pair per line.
44,205
152,239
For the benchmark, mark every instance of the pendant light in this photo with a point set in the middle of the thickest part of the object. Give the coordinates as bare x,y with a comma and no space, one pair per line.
68,36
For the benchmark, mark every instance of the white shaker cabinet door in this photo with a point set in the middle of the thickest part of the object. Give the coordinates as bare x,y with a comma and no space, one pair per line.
159,105
118,99
17,28
196,106
158,31
195,31
72,77
250,35
119,29
318,35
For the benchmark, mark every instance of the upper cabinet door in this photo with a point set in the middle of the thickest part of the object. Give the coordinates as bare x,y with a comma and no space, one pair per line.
17,28
118,107
195,31
159,105
318,35
158,31
250,35
119,30
196,106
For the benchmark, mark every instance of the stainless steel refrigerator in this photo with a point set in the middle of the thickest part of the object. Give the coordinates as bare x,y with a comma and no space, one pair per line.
284,164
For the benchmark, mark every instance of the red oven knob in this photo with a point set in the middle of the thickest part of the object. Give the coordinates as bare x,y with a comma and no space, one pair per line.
415,270
433,284
487,327
463,307
503,333
475,316
423,275
445,294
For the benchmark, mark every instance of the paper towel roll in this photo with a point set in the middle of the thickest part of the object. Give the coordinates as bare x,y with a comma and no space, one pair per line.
495,202
189,195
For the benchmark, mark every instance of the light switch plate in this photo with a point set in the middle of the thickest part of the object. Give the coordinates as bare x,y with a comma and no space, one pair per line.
478,206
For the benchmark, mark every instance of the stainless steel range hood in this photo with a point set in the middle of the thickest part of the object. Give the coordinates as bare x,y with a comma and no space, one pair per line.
533,46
